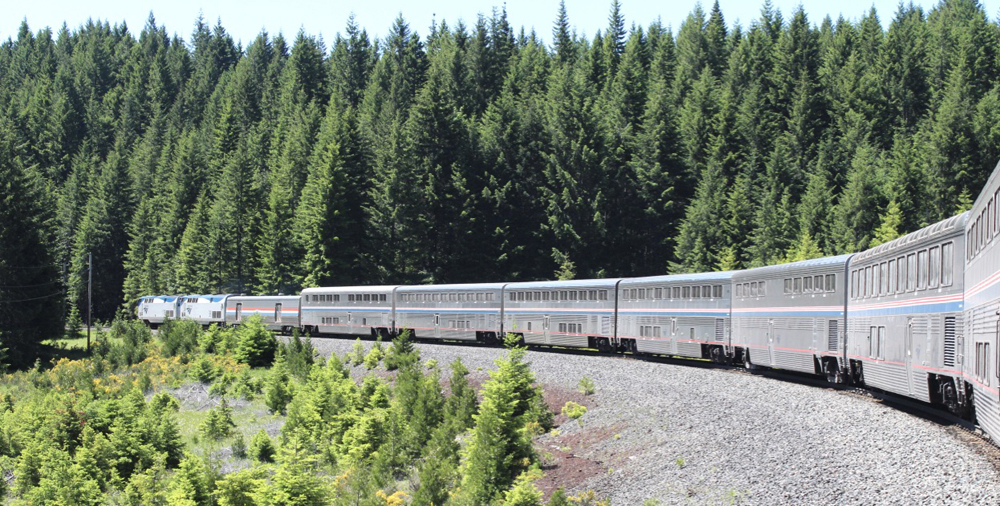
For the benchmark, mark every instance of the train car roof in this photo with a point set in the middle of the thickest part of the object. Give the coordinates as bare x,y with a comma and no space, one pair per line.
359,288
218,297
260,297
942,228
804,264
571,283
457,286
680,278
166,298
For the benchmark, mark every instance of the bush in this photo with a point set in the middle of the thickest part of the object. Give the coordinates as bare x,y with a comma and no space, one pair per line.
261,447
237,489
278,388
573,410
246,386
373,358
162,402
586,386
179,337
254,344
218,339
124,344
357,352
203,370
299,355
239,447
74,324
219,424
402,352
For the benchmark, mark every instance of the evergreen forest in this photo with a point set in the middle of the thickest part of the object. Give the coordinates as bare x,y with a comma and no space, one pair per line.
475,151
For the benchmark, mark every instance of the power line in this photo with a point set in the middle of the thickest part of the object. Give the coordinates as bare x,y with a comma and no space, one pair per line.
33,298
30,286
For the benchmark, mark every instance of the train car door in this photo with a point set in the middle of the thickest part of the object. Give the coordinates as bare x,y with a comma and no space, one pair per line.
437,325
239,311
770,342
545,330
277,313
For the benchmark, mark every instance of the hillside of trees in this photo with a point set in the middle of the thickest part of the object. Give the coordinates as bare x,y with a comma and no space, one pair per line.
479,152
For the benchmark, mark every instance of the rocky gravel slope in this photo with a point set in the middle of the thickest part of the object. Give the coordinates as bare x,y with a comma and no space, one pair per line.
691,435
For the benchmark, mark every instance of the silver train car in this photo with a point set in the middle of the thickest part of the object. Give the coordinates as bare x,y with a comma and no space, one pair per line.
685,315
348,310
905,314
462,312
792,316
155,309
981,364
204,309
279,313
577,313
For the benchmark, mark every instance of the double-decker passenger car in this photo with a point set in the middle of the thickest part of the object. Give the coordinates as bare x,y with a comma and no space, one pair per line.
981,366
348,310
792,316
577,313
277,312
467,312
204,309
155,309
684,315
905,314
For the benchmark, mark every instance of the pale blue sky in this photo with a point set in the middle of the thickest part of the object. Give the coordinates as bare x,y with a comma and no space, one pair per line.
244,19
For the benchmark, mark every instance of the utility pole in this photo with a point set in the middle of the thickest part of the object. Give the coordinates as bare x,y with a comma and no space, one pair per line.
90,284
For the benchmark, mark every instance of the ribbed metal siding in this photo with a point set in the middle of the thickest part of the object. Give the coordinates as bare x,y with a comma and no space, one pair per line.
720,330
949,341
831,338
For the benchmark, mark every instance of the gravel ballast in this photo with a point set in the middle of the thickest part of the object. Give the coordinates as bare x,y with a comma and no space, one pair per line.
691,435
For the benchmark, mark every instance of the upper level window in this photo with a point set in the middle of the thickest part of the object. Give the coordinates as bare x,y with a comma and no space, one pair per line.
947,263
934,271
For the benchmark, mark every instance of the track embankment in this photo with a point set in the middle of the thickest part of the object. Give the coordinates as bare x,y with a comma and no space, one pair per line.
696,435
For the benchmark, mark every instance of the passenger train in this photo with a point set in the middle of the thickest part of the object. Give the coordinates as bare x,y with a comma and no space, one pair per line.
918,316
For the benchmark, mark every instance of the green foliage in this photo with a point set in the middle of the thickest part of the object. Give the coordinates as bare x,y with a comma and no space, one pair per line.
586,386
261,447
524,492
299,355
73,323
239,447
357,352
162,402
238,488
255,345
193,484
373,357
219,424
295,481
125,343
218,339
203,370
402,353
179,337
278,386
573,410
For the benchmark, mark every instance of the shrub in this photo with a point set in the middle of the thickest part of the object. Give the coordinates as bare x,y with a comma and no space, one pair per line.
179,337
254,344
586,386
239,447
373,358
237,489
217,339
402,352
124,344
431,363
261,447
74,324
203,370
573,410
358,352
278,388
144,382
219,424
162,402
524,492
299,355
247,386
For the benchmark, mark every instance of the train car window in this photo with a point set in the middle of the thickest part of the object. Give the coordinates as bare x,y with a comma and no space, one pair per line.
911,272
564,295
592,295
489,297
788,286
979,233
687,292
350,297
762,289
864,286
642,294
900,274
538,296
996,212
754,289
676,291
658,293
881,343
511,296
947,263
797,285
872,336
572,294
739,289
876,281
934,272
807,284
989,221
695,292
818,283
922,269
336,298
969,243
366,297
545,296
603,294
892,276
717,291
706,291
884,285
854,284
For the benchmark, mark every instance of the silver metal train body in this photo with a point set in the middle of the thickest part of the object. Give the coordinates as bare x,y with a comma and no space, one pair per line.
348,310
792,316
279,313
469,312
981,352
577,313
685,315
905,314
